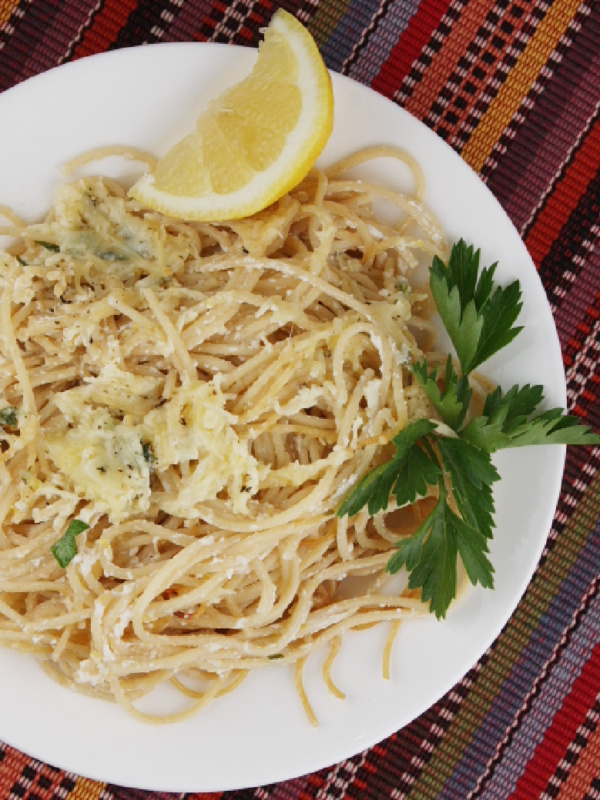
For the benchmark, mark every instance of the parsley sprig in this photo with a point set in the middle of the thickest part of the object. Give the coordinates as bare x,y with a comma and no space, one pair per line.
480,319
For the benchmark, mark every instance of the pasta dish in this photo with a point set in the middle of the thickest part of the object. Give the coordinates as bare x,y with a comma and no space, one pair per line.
199,398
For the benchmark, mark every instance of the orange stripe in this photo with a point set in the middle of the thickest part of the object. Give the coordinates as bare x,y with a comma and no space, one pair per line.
444,63
6,9
510,95
85,789
581,775
565,197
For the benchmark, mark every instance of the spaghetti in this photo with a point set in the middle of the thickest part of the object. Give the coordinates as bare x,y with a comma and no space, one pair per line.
203,396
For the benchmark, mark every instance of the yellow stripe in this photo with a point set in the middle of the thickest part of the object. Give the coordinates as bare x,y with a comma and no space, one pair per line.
85,789
510,95
6,8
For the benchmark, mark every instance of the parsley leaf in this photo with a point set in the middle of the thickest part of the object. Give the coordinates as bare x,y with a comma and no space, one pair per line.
499,315
478,318
554,427
453,402
430,555
472,475
415,472
65,549
407,474
508,420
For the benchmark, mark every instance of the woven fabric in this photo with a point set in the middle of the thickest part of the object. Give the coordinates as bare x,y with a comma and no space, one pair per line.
514,88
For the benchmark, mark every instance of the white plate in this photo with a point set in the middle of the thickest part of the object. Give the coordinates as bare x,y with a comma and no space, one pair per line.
148,97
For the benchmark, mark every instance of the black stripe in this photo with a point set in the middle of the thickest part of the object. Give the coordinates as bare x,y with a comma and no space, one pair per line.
571,243
29,26
260,17
138,28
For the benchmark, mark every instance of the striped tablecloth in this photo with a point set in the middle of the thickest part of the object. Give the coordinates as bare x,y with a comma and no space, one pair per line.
514,88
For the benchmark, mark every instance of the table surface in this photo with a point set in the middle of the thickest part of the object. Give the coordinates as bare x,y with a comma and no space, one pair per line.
514,88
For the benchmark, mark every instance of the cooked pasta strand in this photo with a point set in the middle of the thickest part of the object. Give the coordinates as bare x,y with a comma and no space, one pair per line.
202,397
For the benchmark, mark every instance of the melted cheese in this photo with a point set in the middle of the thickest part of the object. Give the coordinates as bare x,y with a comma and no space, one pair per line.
103,457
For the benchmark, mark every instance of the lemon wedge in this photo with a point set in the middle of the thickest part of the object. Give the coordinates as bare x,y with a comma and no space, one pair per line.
254,142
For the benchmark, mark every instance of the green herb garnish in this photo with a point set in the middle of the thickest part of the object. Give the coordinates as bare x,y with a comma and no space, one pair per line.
65,550
148,454
479,318
54,248
8,417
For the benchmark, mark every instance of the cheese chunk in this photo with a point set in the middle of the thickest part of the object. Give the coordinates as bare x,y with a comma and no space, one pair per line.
102,457
190,440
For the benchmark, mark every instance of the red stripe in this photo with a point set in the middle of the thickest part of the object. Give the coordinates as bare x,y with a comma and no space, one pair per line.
562,731
565,197
409,46
105,27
